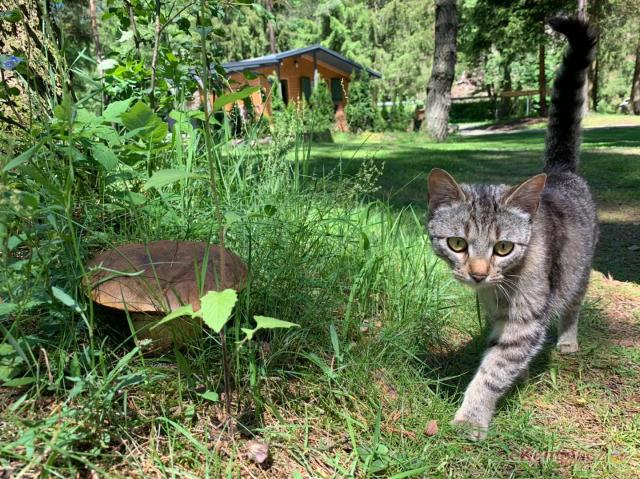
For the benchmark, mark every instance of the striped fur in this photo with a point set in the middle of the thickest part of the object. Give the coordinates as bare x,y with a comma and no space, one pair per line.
552,223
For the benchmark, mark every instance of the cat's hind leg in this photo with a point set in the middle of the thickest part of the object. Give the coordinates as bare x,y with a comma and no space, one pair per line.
568,331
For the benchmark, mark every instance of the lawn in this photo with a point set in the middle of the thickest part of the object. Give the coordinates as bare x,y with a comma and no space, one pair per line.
610,162
366,387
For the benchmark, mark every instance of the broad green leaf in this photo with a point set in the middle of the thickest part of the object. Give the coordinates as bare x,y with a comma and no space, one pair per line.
211,396
186,310
166,177
11,16
131,197
65,299
105,156
223,100
114,110
217,307
7,308
248,334
265,322
19,382
24,157
142,118
14,241
85,118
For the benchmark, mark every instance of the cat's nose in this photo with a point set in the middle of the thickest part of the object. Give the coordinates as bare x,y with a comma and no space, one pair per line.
478,276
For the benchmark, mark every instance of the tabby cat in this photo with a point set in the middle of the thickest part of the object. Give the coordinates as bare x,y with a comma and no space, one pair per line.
526,250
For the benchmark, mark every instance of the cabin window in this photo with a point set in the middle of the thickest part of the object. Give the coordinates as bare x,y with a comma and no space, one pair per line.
305,87
336,90
284,89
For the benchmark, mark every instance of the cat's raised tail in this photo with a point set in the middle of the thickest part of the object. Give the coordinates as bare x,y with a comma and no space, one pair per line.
562,151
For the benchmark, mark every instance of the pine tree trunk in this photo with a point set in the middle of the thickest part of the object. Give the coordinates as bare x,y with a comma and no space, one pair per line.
444,64
635,84
542,80
272,33
94,29
594,82
583,15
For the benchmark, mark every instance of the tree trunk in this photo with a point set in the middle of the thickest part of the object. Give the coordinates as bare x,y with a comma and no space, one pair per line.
438,102
582,15
542,80
94,29
593,81
271,29
635,84
154,54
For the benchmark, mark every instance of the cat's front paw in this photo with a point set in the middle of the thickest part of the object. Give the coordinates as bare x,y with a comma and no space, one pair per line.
567,347
470,427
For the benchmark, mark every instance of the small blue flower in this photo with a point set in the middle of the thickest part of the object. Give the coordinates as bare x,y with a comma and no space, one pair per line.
11,62
57,6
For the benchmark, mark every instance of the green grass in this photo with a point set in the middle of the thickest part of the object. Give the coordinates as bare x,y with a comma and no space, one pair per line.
610,162
387,340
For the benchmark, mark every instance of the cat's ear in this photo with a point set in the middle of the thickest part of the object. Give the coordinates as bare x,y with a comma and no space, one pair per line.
526,196
443,189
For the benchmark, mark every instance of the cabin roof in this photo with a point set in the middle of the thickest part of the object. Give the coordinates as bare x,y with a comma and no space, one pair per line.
323,54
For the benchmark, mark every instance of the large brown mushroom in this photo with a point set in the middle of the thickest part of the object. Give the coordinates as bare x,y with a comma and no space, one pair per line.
152,279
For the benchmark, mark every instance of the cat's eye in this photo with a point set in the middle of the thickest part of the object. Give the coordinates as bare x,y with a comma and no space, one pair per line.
457,244
503,248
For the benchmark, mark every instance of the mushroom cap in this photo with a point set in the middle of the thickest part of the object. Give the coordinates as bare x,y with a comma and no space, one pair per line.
160,276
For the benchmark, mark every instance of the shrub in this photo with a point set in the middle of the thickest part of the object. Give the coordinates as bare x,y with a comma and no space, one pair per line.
360,110
322,116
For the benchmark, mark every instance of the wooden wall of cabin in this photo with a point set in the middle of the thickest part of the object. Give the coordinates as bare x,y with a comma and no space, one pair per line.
293,70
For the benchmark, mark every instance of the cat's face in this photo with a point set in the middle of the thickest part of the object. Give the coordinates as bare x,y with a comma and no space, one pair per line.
481,231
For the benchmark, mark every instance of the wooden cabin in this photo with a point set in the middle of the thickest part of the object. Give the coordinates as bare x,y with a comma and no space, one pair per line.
298,71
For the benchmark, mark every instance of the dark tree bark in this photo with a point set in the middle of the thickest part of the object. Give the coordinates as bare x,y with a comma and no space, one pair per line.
583,15
635,84
594,78
542,80
271,29
444,65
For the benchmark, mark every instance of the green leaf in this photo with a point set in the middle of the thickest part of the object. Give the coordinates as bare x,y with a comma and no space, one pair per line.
24,157
114,110
131,197
64,110
7,308
223,100
142,118
14,241
105,156
248,334
11,16
186,310
217,307
211,396
19,382
265,322
65,299
166,177
10,362
183,363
